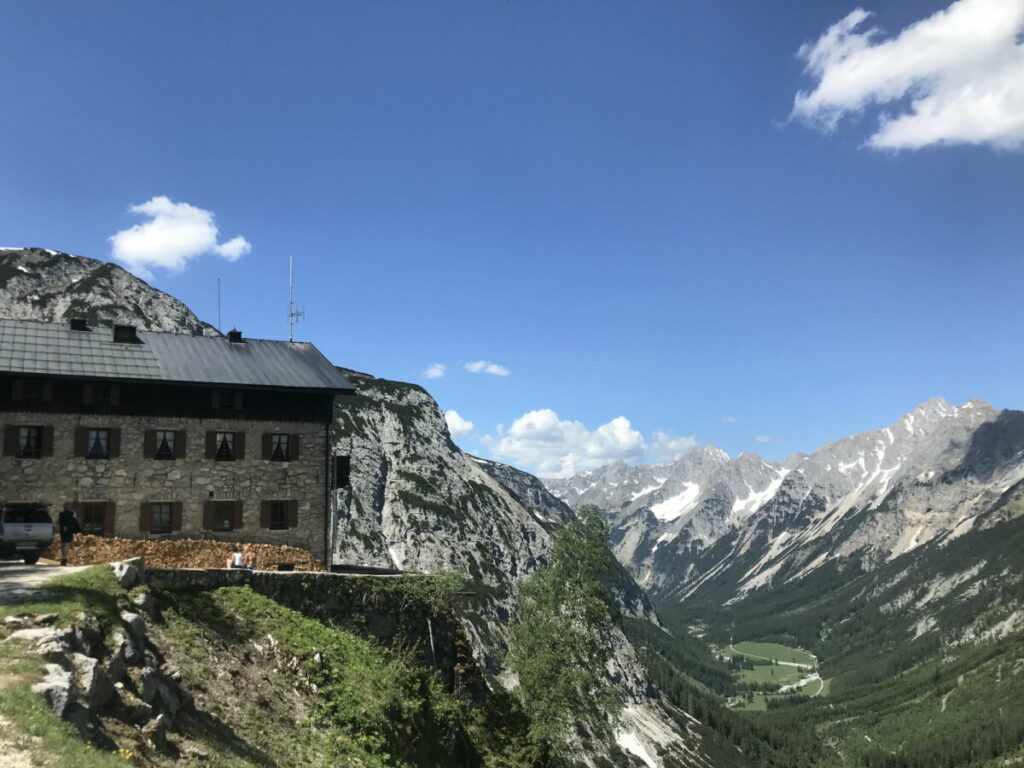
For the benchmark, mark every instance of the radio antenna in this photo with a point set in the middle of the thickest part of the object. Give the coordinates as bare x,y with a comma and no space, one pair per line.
294,313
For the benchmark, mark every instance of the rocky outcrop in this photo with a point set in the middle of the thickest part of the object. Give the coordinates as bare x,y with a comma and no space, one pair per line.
38,284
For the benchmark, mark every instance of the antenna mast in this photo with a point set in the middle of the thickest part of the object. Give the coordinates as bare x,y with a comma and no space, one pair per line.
294,313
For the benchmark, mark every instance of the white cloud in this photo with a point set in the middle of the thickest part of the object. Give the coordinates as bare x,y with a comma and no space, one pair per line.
175,234
665,447
457,425
556,448
435,371
728,419
486,366
955,77
553,447
764,438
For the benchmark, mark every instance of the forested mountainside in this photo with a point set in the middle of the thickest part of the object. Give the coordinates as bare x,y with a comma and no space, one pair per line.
418,503
896,557
38,284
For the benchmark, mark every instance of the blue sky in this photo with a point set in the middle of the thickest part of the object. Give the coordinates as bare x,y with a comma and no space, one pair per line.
614,202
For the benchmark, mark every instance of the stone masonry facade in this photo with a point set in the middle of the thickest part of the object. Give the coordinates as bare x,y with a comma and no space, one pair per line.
128,482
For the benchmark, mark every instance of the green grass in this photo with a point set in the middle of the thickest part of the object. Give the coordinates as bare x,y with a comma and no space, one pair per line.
772,651
769,673
50,740
815,688
94,590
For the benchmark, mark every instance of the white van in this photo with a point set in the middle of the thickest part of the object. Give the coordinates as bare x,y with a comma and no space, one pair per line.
26,530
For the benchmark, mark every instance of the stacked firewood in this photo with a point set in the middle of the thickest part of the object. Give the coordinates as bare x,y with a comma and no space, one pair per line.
181,553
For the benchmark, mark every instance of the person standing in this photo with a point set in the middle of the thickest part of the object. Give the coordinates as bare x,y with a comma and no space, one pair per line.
67,526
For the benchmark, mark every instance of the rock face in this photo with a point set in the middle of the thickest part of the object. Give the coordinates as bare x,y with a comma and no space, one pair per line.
37,284
747,523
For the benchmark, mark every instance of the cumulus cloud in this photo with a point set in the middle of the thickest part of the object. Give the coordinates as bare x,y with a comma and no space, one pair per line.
486,366
457,425
955,77
728,419
435,371
174,235
764,438
665,447
553,447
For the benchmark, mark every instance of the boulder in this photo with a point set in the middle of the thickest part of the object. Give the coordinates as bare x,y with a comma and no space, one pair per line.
58,688
129,572
136,628
95,685
147,604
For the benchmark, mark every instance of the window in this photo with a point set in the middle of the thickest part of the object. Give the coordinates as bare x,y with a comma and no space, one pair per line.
33,390
102,394
94,517
223,516
30,442
164,444
225,446
279,447
342,471
98,444
227,400
160,517
278,515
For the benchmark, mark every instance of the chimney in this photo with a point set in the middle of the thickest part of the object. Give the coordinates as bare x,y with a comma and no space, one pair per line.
125,334
79,324
235,336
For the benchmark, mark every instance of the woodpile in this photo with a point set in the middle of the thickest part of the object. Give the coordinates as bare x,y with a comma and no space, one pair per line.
180,553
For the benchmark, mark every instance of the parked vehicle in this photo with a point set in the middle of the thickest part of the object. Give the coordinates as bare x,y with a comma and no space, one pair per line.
26,530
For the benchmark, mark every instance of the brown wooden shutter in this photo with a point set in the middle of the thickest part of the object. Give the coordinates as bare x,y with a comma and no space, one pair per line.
114,447
115,394
109,511
149,444
207,515
47,391
81,441
176,515
293,448
145,517
264,514
293,513
211,445
239,445
266,445
179,444
11,440
87,393
237,520
16,390
47,441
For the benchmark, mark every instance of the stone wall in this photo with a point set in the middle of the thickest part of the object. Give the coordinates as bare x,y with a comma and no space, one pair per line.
130,480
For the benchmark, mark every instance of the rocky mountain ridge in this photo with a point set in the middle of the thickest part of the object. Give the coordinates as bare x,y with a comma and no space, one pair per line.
870,497
40,284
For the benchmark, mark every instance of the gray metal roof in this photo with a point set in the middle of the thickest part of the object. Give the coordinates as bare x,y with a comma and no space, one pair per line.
32,347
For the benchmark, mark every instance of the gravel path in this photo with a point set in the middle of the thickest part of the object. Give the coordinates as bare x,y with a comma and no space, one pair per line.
18,582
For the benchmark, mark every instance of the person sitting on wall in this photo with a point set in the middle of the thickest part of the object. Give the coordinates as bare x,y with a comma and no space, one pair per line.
67,526
235,559
249,558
